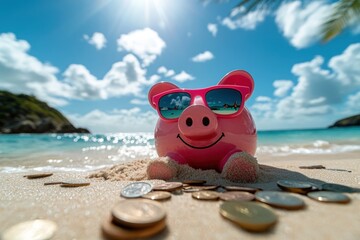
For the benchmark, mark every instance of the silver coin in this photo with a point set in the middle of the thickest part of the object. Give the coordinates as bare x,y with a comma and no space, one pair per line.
136,189
39,229
280,199
295,186
331,197
332,187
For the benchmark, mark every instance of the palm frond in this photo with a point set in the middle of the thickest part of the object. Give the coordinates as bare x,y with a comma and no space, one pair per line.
343,13
250,5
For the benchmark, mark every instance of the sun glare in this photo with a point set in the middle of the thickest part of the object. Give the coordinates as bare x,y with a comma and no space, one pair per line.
150,9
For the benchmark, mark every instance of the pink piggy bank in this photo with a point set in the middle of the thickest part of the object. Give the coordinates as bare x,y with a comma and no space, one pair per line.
207,128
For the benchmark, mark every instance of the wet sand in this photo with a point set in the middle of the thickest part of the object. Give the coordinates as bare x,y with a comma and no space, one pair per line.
79,212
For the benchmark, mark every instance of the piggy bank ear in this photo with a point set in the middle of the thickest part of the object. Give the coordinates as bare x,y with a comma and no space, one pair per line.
239,77
159,88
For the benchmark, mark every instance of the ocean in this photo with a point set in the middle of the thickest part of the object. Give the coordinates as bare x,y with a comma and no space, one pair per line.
88,152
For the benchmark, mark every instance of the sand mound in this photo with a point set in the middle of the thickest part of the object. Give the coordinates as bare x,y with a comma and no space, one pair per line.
136,171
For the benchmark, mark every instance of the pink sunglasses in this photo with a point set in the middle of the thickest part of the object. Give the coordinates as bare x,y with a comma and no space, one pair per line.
223,100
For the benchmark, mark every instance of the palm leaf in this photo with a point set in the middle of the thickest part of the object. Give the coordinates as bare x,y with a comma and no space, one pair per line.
250,5
344,12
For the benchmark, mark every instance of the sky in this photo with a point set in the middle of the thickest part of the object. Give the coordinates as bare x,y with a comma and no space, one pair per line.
95,61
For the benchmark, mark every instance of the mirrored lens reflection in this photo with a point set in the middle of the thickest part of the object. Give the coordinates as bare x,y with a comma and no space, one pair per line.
224,101
172,105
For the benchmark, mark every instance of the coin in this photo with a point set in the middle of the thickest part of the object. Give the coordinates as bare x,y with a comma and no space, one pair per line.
251,216
74,183
167,186
332,187
53,183
312,167
194,182
34,229
205,195
112,231
280,200
295,186
157,195
138,213
199,188
38,175
330,197
237,196
243,189
136,189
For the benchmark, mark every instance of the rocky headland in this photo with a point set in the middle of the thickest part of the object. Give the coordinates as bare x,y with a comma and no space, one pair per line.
347,122
20,113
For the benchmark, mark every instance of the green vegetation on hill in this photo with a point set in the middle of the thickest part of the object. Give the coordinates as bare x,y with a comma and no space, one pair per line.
347,122
20,113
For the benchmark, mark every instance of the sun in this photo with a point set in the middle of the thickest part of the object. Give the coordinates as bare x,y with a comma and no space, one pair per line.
151,9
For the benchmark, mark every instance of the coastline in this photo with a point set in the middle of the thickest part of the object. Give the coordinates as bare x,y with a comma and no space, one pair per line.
79,212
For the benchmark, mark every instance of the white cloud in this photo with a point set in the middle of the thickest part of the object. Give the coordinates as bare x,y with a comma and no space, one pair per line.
166,72
124,78
301,22
248,21
318,91
23,73
354,102
139,102
97,39
127,120
282,87
183,77
145,43
263,99
203,57
212,28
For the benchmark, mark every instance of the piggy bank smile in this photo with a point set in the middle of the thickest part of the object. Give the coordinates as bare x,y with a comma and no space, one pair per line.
201,147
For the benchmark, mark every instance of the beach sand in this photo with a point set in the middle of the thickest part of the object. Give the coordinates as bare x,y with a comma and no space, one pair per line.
79,212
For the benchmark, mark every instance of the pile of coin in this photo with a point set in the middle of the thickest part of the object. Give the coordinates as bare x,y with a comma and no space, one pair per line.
136,218
238,202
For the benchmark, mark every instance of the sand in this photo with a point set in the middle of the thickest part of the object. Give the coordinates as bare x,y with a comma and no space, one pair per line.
79,212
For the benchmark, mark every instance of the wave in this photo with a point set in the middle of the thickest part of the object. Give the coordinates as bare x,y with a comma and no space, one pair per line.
24,169
316,147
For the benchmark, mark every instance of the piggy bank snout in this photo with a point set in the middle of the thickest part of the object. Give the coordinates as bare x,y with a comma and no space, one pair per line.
198,122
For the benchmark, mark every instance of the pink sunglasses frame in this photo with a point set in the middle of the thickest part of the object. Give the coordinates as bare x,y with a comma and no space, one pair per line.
244,91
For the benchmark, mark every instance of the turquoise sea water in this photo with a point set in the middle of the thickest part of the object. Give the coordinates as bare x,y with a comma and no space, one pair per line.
74,152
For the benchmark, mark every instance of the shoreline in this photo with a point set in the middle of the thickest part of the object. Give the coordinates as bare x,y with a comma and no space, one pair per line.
79,212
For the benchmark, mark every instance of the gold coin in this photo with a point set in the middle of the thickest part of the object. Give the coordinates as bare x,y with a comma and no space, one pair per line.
251,216
199,188
312,167
330,197
111,230
237,196
205,195
167,186
243,189
53,183
280,199
157,195
194,182
138,213
38,175
295,186
35,229
74,183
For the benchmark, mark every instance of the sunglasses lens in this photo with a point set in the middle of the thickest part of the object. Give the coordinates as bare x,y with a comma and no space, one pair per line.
172,105
224,101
